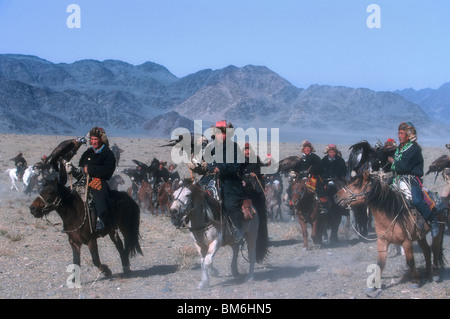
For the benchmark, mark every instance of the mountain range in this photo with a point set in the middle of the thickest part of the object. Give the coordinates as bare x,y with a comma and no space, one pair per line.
41,97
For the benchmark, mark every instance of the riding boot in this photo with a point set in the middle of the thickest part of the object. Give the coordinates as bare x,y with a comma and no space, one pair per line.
434,223
100,226
238,235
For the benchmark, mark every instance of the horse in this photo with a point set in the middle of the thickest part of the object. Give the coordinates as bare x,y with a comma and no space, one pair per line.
395,223
125,216
307,208
163,197
273,200
145,196
210,228
27,174
115,181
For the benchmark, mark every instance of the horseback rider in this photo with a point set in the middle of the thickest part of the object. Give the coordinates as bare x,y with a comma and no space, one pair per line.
21,165
136,180
99,162
161,175
254,185
407,164
334,167
310,167
231,189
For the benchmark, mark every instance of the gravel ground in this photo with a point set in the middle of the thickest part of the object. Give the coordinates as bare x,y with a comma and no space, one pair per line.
34,254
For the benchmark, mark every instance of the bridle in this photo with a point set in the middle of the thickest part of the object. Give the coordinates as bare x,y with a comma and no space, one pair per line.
48,207
184,207
354,196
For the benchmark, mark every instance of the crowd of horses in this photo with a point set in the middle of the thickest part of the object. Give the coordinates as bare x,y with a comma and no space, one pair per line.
193,205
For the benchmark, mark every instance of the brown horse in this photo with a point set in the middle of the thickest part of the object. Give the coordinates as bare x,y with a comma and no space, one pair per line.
164,197
145,196
76,222
307,208
395,223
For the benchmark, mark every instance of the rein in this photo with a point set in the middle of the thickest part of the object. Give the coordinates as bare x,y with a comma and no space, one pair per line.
364,193
55,205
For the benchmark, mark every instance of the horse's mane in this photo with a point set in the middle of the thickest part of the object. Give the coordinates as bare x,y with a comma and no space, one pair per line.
66,194
382,198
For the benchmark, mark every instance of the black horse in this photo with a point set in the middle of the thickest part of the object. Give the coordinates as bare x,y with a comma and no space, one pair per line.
125,217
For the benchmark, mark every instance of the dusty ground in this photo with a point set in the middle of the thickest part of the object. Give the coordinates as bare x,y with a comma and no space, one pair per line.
34,254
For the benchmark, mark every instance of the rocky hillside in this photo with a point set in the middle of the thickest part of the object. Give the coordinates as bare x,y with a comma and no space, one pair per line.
38,96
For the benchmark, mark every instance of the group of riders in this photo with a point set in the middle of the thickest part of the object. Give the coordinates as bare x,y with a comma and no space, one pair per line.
244,182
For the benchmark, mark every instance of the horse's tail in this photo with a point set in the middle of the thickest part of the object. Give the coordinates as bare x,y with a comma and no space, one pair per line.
131,221
262,242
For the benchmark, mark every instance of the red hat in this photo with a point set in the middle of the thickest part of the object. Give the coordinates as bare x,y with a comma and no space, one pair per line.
221,123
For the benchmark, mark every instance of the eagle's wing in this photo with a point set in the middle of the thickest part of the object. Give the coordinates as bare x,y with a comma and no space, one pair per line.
291,163
360,154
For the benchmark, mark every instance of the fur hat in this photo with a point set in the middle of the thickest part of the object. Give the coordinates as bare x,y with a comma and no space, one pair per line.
409,129
99,132
331,147
306,143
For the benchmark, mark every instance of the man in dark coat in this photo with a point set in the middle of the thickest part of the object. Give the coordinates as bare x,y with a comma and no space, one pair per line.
407,164
310,167
231,189
334,167
99,162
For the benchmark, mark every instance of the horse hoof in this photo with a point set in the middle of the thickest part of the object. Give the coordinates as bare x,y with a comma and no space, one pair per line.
106,271
305,249
250,278
415,286
436,278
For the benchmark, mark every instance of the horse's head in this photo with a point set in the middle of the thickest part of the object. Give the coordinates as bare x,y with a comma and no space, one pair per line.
354,192
299,190
180,206
48,200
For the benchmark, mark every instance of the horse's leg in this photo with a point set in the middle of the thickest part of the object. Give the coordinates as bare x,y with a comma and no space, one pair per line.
124,254
304,228
93,248
76,251
437,249
205,275
234,267
409,255
382,248
426,250
251,245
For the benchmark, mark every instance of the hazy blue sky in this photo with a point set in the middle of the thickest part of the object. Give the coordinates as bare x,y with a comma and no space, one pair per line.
305,41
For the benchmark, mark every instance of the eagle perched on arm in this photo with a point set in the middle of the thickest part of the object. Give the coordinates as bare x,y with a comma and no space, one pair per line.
64,151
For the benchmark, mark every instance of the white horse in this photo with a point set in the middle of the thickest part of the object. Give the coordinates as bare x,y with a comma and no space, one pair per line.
28,173
194,208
